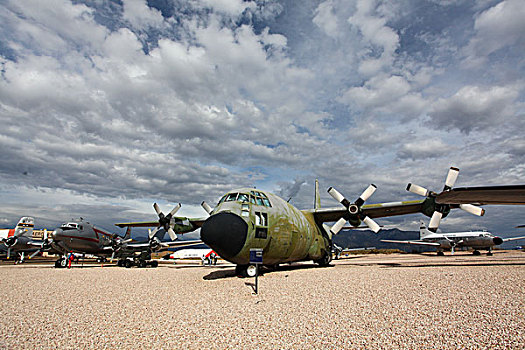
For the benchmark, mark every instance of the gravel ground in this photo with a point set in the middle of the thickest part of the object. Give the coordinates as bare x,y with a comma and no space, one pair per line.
368,302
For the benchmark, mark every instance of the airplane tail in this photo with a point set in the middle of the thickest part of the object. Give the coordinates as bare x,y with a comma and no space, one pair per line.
25,227
128,233
423,230
317,197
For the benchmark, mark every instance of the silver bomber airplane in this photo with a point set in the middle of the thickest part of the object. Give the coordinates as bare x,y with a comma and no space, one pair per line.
79,236
20,239
478,240
248,218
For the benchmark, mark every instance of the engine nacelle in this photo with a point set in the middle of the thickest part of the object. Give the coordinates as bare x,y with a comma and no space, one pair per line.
497,240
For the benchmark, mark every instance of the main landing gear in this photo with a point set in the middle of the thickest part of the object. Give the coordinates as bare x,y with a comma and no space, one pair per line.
128,263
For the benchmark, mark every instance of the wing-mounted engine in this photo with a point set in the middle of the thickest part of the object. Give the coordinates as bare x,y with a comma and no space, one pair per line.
354,214
436,210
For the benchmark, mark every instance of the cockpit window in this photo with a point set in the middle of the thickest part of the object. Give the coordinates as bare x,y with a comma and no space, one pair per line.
231,197
223,198
242,197
69,226
260,198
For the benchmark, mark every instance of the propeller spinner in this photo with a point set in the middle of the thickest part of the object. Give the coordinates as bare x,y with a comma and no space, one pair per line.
165,222
354,210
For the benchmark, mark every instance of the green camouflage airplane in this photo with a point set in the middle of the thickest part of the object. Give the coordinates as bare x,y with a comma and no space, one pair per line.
249,218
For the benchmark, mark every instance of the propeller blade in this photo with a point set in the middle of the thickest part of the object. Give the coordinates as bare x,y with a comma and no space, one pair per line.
452,250
112,256
8,252
174,210
35,253
336,195
157,209
172,234
473,209
152,233
368,192
338,226
372,224
418,190
452,176
207,207
434,221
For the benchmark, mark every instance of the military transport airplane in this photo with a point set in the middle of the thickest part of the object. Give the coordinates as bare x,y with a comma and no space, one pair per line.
20,239
478,240
248,218
79,236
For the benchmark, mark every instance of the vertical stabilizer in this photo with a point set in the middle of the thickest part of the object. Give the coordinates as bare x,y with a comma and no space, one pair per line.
423,231
317,197
25,227
128,233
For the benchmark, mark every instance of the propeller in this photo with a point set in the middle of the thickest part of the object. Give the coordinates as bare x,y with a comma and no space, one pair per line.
206,207
11,241
443,209
46,244
165,222
355,214
116,244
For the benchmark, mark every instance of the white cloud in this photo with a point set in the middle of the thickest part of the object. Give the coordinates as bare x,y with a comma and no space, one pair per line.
326,19
475,108
497,27
140,15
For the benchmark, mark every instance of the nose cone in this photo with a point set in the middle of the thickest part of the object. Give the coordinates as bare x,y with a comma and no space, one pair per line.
57,234
497,240
225,233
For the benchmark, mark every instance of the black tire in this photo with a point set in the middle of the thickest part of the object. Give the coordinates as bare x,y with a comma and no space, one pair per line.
120,263
440,253
154,263
142,263
128,264
489,254
476,252
58,264
325,260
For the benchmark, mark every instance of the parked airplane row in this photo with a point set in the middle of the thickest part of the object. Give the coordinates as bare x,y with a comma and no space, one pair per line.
247,218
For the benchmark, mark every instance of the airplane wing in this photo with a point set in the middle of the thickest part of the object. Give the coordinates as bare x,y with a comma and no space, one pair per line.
412,242
182,224
513,194
371,210
512,239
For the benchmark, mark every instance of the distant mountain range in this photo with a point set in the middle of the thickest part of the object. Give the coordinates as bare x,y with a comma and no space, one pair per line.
363,239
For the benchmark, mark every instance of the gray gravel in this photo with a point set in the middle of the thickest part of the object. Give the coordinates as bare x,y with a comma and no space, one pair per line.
377,302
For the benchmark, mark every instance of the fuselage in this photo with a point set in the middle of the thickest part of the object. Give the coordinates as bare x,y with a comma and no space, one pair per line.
80,237
248,218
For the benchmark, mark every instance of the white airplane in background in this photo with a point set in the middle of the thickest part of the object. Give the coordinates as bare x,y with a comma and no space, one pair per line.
194,254
449,241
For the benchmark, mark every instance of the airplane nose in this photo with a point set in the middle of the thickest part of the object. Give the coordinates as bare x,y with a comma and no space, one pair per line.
225,233
56,234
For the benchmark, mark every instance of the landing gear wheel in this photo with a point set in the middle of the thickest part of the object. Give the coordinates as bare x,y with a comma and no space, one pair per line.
489,254
63,262
142,263
476,252
120,263
128,264
440,254
154,263
58,263
251,270
325,260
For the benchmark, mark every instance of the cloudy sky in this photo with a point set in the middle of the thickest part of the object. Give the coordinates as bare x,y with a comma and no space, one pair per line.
108,106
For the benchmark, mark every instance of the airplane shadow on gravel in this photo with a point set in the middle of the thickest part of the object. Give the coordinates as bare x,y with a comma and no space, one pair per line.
285,267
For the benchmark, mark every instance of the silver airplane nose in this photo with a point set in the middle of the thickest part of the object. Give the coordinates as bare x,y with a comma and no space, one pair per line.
56,234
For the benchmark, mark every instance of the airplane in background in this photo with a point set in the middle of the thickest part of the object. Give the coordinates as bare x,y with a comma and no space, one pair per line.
79,236
19,240
478,240
202,254
248,218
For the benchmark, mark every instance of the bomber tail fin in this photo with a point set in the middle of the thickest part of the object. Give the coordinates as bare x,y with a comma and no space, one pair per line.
317,197
25,227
